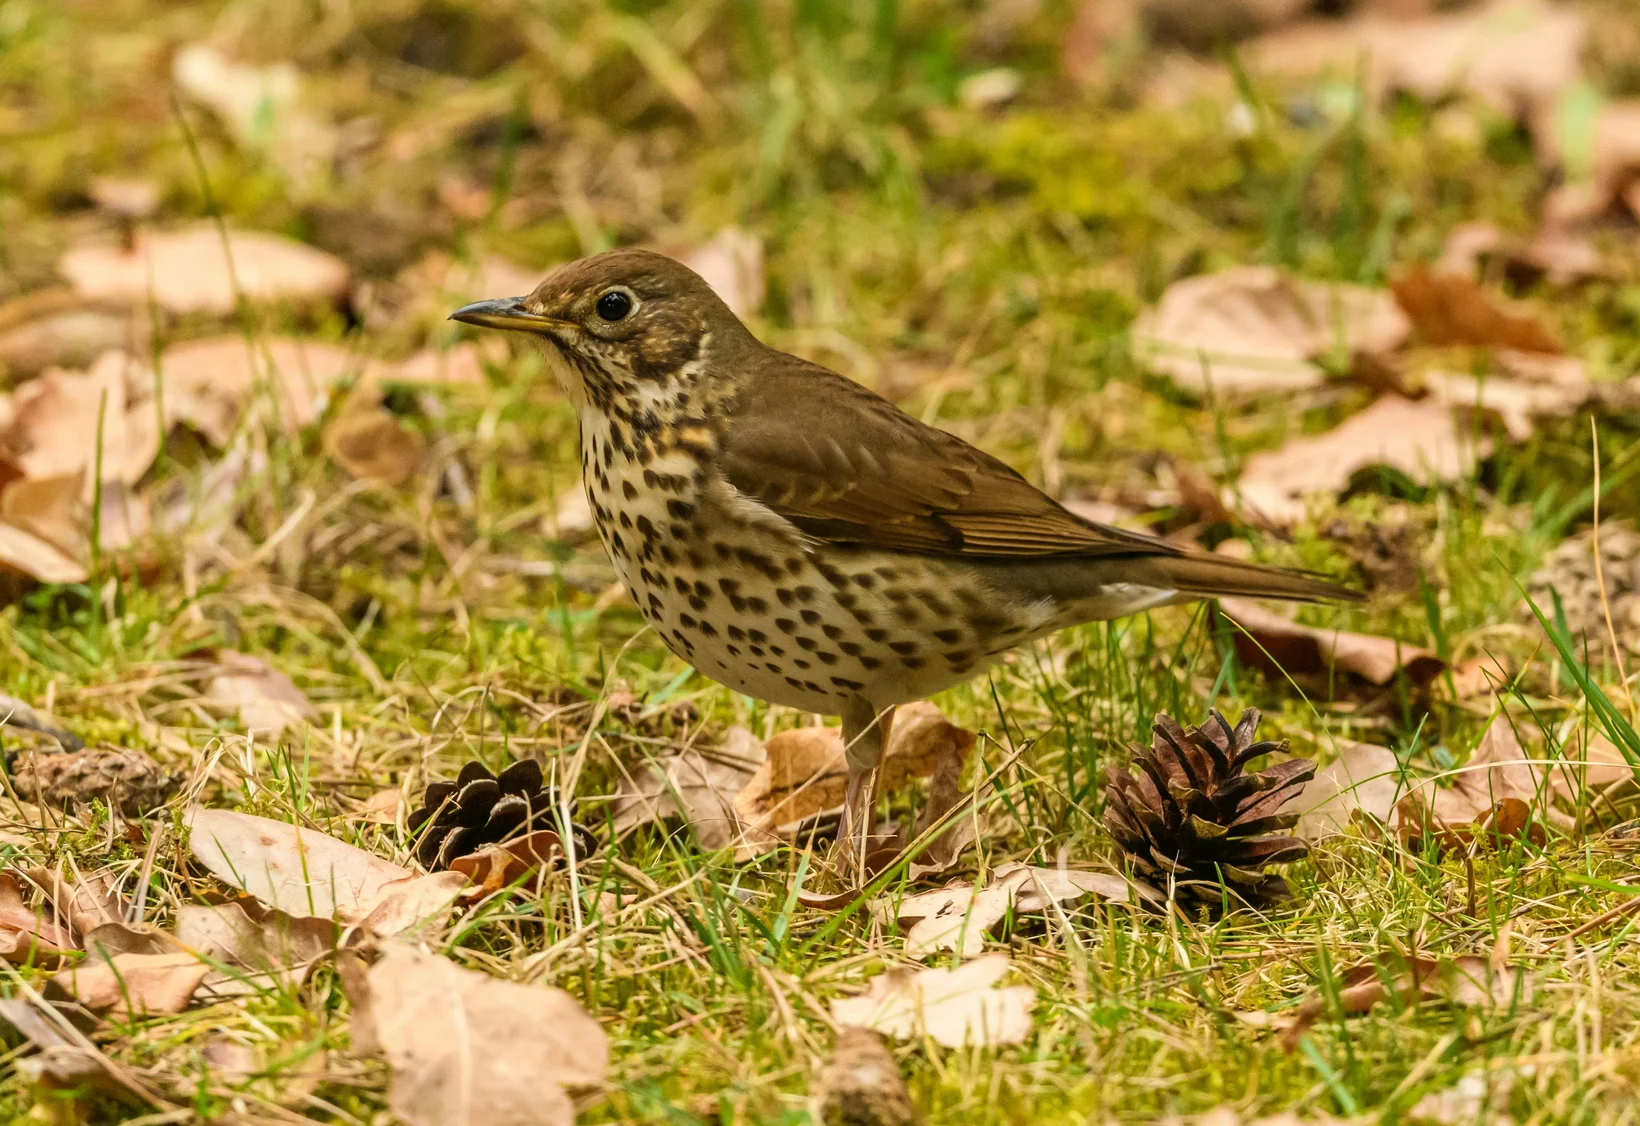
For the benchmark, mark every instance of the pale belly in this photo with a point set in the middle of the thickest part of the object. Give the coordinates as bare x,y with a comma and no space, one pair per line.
747,600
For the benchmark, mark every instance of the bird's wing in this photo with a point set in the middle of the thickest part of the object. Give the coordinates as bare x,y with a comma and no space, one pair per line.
846,466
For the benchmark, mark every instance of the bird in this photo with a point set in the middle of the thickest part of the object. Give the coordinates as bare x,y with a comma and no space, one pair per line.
798,538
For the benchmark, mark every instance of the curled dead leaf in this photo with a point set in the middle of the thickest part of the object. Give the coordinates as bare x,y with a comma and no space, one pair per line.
697,786
960,1007
1464,980
1266,640
27,936
503,865
958,917
1453,309
210,382
254,948
1363,780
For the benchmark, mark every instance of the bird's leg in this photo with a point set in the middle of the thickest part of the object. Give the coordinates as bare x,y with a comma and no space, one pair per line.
865,733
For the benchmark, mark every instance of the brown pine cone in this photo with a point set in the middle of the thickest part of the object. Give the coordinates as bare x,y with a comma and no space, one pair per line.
1192,813
129,781
861,1084
480,809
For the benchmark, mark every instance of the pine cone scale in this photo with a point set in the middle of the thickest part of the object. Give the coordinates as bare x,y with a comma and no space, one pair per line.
1190,810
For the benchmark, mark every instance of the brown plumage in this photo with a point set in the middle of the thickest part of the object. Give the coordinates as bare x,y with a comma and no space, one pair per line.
799,538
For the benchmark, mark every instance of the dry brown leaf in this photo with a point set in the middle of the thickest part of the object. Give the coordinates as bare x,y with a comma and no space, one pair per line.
58,328
84,901
698,786
266,699
1600,161
34,558
958,917
51,425
298,871
416,903
209,382
861,1086
1518,56
49,509
503,865
1464,980
1255,328
187,270
805,772
253,948
374,444
1364,779
1418,438
1269,641
955,1007
518,1048
26,935
126,985
1451,309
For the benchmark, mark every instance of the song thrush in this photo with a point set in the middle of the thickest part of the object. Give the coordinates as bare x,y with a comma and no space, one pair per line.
794,536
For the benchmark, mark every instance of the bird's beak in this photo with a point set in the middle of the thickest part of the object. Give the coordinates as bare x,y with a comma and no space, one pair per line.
507,313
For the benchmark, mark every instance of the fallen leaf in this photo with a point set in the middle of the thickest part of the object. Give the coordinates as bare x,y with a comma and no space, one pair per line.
958,917
697,786
26,936
34,558
418,903
1417,438
48,508
732,264
955,1007
254,948
805,772
87,900
1464,980
1598,156
1255,328
860,1084
1451,309
266,699
1364,779
122,986
58,328
374,444
1266,640
53,422
261,109
208,383
1553,254
467,1048
1518,56
503,865
194,270
298,871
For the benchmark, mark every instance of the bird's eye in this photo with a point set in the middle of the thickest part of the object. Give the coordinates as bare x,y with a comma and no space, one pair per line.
614,305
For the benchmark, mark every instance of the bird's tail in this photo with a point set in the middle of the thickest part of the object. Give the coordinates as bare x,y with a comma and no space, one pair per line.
1212,576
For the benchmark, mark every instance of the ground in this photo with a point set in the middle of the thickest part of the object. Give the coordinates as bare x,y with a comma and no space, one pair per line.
976,252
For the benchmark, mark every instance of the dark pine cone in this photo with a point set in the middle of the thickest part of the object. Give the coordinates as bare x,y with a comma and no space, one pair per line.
480,809
1194,814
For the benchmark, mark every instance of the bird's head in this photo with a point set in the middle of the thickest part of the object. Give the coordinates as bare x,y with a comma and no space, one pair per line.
620,329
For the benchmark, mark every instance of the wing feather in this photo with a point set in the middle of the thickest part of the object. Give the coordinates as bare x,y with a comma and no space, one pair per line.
852,468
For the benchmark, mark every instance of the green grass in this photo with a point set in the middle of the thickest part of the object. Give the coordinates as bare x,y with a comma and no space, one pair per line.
1008,249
